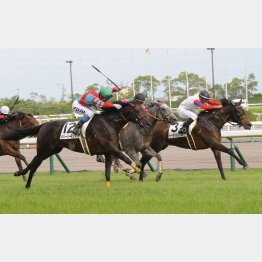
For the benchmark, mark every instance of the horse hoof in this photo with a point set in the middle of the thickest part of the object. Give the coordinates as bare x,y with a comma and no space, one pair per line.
115,169
27,187
132,177
145,175
245,167
158,177
128,171
17,173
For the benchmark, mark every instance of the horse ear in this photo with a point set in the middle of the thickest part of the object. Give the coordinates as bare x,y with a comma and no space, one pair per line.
240,102
225,102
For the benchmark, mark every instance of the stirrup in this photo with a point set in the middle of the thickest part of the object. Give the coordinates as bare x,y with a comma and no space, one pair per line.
183,131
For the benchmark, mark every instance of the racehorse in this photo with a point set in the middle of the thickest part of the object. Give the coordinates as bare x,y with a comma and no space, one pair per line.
11,147
101,137
205,134
141,137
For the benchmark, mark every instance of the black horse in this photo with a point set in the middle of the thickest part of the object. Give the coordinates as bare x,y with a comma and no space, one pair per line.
11,147
205,134
141,137
101,136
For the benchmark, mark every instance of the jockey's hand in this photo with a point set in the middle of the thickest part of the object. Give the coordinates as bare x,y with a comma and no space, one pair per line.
117,106
219,106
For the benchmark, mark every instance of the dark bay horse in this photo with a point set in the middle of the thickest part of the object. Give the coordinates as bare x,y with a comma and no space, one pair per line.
11,147
206,133
137,138
101,137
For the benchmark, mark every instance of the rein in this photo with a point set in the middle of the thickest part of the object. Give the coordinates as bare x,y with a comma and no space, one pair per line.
157,118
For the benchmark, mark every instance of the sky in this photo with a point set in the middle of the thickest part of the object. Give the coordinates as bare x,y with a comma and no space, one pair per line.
45,71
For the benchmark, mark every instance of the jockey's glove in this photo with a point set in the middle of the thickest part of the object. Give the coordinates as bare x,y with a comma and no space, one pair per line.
117,106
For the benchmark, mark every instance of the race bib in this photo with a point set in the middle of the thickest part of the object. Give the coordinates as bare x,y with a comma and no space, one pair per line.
66,132
173,130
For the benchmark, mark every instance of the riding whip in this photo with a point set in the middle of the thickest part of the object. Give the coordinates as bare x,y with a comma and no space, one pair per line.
11,108
106,77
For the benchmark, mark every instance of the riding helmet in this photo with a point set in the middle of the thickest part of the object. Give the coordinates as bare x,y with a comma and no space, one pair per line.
139,97
5,110
204,94
106,92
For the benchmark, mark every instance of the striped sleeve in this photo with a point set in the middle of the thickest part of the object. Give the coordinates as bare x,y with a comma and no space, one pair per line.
100,103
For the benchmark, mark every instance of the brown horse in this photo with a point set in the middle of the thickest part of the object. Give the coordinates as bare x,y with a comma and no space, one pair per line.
141,137
101,136
205,134
11,147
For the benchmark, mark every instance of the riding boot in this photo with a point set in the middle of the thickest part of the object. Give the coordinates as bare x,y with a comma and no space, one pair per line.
185,127
77,128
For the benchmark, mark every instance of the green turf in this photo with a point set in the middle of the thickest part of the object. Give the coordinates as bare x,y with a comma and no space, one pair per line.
179,192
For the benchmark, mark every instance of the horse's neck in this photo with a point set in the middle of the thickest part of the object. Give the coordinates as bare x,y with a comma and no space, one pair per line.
221,117
115,120
151,120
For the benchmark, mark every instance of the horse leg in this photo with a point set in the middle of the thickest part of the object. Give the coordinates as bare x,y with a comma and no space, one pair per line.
150,152
143,161
108,164
36,163
100,158
19,165
117,153
217,155
224,149
117,165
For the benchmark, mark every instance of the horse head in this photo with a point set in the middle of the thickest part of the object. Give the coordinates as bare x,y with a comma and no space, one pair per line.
238,114
26,120
163,112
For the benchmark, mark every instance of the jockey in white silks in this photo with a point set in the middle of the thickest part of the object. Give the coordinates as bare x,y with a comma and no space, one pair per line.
187,109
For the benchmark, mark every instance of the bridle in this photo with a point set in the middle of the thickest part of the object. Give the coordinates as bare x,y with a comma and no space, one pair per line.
233,120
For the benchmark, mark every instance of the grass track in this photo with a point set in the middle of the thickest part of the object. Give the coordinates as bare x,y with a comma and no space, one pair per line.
179,192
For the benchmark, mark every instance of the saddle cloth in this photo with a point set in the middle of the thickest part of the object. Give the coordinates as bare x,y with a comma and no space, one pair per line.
66,132
174,129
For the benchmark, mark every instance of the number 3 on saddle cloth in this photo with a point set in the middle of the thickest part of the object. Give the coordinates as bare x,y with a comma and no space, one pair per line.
173,132
66,133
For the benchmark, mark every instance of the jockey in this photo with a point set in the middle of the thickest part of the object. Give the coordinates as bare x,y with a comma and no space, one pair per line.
186,109
4,112
82,105
139,98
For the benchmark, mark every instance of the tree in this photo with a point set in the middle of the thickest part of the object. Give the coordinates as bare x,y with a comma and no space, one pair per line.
92,87
143,84
237,87
178,85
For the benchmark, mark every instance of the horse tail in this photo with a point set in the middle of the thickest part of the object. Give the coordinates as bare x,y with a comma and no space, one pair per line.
20,133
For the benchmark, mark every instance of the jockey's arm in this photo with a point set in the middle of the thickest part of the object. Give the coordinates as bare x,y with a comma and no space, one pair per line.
131,100
101,103
204,106
214,102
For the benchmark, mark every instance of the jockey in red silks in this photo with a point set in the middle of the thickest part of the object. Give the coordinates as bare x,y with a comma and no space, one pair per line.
82,105
4,112
186,109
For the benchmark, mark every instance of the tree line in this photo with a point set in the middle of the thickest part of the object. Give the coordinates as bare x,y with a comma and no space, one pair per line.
39,105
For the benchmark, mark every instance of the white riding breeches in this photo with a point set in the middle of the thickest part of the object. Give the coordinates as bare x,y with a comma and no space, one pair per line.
81,110
185,113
